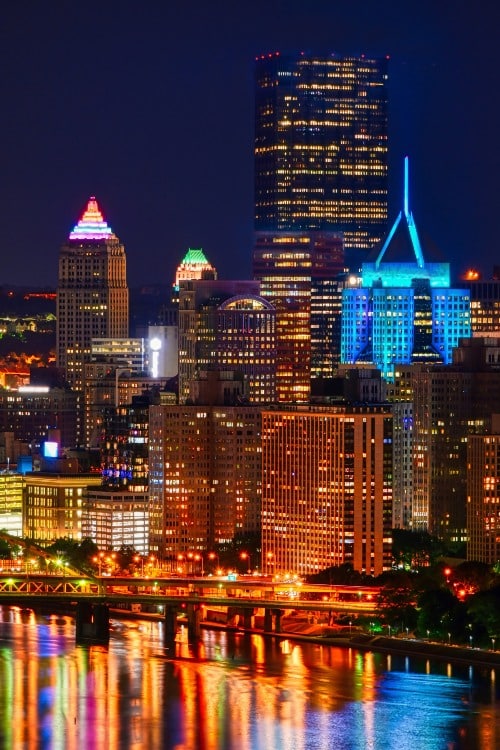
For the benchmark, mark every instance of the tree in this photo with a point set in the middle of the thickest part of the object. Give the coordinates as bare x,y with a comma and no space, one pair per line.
440,613
397,599
484,611
414,549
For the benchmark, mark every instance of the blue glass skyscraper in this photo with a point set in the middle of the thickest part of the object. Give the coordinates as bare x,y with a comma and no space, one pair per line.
403,310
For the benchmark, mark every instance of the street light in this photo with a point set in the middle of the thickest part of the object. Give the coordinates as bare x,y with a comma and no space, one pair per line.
493,643
137,559
98,559
199,558
269,560
246,556
214,556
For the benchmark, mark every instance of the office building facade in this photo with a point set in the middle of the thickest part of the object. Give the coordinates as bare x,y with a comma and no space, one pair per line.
326,488
483,496
299,273
205,476
321,140
92,292
227,326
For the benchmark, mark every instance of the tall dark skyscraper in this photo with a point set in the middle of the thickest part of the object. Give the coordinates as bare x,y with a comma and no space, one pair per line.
298,272
321,146
92,292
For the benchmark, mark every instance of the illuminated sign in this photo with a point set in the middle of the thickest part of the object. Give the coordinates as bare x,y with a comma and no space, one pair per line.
50,449
155,346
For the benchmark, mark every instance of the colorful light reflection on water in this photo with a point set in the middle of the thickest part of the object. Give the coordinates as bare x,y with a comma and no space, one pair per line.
235,692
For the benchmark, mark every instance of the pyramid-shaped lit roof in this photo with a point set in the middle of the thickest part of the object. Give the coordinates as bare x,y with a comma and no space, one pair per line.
92,225
195,257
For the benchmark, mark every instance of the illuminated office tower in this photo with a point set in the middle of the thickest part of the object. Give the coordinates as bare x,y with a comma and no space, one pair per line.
204,475
484,303
483,496
193,266
321,145
11,502
116,514
53,503
31,410
440,408
92,293
227,326
404,311
299,273
326,488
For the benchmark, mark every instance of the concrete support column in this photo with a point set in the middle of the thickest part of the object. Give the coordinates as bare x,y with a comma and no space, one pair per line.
170,624
248,619
268,621
194,620
278,614
92,623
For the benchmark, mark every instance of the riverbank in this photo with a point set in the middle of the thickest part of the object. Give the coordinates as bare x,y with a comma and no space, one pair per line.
297,629
324,635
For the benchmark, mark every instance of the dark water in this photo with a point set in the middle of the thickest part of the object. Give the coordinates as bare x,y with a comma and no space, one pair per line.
237,692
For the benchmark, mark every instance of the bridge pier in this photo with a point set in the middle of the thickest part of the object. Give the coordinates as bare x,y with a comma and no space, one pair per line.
248,619
194,622
92,623
268,620
170,624
278,614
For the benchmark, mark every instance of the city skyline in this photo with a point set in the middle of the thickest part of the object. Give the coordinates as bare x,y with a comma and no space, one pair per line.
155,118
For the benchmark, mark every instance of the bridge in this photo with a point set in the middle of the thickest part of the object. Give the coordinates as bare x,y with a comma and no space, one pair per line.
244,597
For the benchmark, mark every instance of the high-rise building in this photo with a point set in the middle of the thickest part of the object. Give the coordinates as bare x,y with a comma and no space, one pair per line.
483,495
404,311
205,473
321,145
92,293
31,410
484,303
299,273
193,266
227,325
439,408
53,501
326,488
11,502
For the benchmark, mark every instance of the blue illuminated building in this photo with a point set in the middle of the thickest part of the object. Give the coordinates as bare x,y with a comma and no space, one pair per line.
403,310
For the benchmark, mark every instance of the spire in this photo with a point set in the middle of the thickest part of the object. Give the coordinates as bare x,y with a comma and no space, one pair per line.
406,193
91,225
410,223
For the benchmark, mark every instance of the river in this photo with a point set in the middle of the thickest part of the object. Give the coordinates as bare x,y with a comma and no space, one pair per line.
236,692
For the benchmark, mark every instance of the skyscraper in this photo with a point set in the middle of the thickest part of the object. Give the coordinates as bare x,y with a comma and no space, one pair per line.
298,273
227,326
92,293
326,488
321,145
404,311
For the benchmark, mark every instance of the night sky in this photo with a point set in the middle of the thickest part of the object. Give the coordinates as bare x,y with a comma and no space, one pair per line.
149,106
